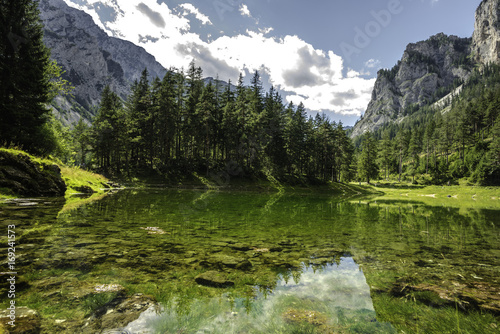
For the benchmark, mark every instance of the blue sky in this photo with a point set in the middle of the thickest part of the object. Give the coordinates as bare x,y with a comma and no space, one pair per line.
325,53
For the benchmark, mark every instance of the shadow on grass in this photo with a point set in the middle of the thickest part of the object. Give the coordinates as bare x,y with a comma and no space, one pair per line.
397,186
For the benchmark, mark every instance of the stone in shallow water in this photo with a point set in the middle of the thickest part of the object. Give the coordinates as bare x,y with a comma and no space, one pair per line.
27,321
213,279
240,247
118,313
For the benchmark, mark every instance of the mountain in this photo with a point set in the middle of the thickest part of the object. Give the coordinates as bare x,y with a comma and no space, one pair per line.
431,69
90,58
427,71
486,37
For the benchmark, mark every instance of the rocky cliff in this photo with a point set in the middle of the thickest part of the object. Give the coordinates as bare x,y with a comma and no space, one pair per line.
486,37
427,71
90,58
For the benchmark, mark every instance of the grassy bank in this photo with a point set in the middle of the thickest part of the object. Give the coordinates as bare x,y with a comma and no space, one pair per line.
75,178
463,196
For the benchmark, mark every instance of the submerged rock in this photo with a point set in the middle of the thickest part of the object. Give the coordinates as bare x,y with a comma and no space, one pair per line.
314,318
27,321
222,260
153,230
118,313
214,279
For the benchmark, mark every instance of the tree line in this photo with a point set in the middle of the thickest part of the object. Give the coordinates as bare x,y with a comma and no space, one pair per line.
442,146
181,124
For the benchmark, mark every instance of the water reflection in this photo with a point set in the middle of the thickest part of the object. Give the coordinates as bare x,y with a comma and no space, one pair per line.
324,300
409,252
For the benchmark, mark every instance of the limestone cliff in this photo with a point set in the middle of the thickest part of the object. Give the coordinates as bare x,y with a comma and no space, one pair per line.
90,58
486,37
427,71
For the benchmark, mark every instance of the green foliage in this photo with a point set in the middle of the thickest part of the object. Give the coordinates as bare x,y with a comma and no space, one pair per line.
26,78
367,166
443,146
29,81
180,125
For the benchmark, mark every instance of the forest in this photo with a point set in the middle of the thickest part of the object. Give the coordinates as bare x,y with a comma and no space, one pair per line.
443,144
179,124
182,125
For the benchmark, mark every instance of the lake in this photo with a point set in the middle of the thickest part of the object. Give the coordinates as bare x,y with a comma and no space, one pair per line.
251,262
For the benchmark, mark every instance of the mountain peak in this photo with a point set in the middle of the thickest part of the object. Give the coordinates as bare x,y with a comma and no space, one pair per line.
90,58
427,71
431,69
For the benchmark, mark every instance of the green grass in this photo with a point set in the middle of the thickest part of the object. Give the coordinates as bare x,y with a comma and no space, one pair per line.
462,196
408,315
74,177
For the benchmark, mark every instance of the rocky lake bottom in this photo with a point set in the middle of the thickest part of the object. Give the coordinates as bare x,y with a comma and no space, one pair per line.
187,261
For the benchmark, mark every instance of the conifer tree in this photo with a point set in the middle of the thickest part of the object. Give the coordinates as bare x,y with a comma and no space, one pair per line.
367,165
386,152
25,87
108,131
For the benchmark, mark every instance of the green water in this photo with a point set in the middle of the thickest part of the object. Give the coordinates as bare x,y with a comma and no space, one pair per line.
296,263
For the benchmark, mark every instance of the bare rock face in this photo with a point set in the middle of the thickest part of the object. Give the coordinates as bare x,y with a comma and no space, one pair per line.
90,58
426,68
431,65
486,37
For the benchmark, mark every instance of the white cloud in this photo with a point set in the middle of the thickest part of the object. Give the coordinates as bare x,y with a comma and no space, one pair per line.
245,11
302,72
310,75
373,63
193,10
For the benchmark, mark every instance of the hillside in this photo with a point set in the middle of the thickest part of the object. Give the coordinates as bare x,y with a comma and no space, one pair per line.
427,71
431,69
90,58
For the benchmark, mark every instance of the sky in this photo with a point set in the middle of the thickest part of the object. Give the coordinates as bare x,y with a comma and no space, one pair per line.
324,53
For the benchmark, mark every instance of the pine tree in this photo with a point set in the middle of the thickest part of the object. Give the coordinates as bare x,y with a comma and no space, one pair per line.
205,114
192,123
402,148
386,152
367,165
229,125
81,135
296,132
108,132
428,141
25,87
414,148
139,108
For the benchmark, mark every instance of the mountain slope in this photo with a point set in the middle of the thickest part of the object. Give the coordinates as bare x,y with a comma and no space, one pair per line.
90,58
427,71
431,69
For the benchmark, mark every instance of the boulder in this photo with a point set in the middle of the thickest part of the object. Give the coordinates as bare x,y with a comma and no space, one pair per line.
27,321
117,314
214,279
25,177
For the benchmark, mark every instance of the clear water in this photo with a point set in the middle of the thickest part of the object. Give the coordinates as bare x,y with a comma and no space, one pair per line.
325,298
300,263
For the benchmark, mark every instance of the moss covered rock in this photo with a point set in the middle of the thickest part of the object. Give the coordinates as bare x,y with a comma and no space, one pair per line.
26,177
214,279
